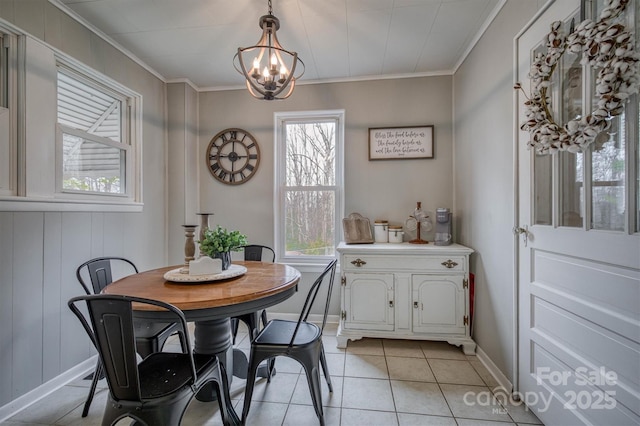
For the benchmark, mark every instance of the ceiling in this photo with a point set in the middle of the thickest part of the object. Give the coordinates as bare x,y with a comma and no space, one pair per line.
338,40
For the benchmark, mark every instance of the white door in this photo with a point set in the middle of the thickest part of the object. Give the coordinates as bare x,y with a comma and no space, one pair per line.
579,258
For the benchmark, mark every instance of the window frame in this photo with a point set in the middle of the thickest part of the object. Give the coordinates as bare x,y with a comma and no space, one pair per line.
9,102
279,137
124,144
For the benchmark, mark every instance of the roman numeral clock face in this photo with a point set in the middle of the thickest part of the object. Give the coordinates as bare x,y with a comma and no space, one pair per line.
233,156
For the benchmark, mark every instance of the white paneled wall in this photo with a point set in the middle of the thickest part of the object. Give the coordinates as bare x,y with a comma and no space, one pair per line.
39,254
40,251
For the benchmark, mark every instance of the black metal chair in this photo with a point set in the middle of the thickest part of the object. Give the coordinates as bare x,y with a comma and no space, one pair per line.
259,253
159,388
300,340
150,336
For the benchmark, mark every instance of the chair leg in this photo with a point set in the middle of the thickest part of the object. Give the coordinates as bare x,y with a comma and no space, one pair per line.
313,379
251,380
323,362
271,368
234,329
271,362
92,390
263,316
183,341
228,414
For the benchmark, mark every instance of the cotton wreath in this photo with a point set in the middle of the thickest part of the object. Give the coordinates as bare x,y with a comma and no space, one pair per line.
608,47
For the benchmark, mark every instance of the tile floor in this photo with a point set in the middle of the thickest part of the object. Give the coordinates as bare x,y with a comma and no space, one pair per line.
377,382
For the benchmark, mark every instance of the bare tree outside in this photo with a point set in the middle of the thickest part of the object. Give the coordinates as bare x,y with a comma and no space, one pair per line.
310,188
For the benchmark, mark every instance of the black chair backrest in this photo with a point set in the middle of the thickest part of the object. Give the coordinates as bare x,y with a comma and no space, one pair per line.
110,327
256,252
328,274
99,271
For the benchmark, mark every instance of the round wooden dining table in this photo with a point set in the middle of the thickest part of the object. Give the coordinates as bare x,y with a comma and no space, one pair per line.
211,304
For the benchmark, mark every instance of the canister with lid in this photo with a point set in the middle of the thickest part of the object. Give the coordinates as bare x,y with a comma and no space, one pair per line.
395,234
381,234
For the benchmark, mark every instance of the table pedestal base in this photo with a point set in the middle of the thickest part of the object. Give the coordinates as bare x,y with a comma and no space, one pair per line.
213,337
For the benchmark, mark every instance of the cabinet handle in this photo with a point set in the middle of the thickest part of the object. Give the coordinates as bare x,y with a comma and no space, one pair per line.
358,262
415,305
391,303
449,263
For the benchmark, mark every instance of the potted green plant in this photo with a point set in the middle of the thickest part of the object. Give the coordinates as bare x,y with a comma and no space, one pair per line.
219,243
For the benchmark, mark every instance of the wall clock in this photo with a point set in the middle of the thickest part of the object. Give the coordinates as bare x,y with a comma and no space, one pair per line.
233,156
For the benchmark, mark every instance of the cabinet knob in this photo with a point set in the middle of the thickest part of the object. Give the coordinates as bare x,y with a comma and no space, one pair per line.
391,303
358,262
415,305
449,263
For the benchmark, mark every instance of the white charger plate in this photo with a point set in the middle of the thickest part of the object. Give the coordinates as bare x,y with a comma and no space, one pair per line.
176,276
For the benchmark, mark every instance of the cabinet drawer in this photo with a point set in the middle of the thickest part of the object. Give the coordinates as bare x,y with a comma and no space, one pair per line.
366,262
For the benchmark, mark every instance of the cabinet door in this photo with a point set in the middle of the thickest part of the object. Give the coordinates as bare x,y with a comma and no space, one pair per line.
438,304
368,301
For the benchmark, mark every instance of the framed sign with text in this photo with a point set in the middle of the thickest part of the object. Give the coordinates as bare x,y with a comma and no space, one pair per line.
393,143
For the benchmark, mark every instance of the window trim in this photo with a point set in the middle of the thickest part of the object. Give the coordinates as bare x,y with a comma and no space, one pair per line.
128,143
279,138
9,43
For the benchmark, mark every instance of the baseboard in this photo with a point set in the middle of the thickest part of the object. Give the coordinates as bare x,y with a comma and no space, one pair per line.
47,388
494,370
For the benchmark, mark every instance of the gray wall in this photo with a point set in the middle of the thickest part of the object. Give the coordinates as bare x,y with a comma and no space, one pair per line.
375,189
182,166
39,251
484,178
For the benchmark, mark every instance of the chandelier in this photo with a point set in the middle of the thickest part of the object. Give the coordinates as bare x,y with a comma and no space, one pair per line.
272,72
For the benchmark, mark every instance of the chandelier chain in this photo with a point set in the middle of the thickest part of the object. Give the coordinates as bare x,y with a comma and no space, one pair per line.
270,9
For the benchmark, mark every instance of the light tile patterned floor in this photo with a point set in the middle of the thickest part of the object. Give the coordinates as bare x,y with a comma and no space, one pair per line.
377,382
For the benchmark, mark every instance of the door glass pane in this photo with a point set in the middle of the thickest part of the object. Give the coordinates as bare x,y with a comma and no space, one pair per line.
571,189
542,170
571,174
608,177
567,78
637,180
542,190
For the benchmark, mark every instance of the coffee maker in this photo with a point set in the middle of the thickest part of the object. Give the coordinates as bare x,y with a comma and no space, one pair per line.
443,227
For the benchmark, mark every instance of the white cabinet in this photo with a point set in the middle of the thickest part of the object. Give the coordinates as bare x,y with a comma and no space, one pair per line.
405,291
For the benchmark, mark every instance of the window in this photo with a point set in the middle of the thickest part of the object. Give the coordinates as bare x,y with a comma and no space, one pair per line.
309,184
92,136
8,111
